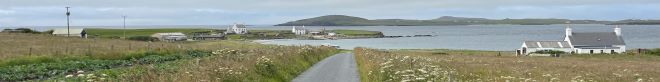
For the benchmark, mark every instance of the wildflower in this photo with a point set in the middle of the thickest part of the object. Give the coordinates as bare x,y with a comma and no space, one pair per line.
80,71
104,75
67,76
81,75
102,78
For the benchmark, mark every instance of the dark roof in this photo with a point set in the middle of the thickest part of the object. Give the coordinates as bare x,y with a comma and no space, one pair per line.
596,39
547,44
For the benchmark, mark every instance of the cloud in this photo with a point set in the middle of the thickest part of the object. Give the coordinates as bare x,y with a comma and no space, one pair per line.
221,12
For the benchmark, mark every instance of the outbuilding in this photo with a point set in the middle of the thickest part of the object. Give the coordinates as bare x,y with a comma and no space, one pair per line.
78,32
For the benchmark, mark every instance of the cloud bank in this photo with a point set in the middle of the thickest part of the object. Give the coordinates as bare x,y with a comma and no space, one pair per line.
222,12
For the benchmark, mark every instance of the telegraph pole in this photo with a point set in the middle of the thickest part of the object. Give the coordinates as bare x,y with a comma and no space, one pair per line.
124,26
68,33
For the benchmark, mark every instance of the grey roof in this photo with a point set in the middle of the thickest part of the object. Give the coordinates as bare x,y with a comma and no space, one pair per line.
547,44
596,39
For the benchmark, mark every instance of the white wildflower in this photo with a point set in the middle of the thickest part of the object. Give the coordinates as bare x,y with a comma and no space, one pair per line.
67,76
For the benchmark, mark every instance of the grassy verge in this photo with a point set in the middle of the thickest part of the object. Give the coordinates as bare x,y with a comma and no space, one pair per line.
466,65
249,64
111,60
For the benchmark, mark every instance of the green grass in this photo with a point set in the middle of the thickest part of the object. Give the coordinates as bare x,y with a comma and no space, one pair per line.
138,32
356,32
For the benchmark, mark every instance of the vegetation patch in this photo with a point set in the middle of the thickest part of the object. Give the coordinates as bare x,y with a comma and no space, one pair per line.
487,66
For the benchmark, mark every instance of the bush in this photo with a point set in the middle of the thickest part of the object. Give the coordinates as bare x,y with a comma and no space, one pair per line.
21,30
654,52
549,52
142,38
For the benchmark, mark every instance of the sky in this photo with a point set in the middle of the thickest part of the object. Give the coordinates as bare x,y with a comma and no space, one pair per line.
269,12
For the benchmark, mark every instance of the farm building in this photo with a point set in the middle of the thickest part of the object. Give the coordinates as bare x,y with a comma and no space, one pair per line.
580,43
237,29
70,32
530,47
173,36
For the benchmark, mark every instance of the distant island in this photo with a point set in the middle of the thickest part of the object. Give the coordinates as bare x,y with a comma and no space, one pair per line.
343,20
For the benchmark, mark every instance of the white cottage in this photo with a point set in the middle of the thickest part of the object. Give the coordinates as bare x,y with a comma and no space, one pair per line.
596,42
237,29
299,30
70,32
580,43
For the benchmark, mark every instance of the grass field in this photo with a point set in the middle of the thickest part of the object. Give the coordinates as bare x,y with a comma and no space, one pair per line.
138,32
54,58
490,66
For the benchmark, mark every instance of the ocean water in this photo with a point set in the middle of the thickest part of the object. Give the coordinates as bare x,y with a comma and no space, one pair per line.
476,37
472,37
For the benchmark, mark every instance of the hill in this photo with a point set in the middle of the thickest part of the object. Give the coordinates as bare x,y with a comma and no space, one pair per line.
329,20
343,20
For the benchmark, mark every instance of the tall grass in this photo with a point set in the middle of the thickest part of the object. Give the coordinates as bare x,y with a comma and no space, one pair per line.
252,63
461,65
231,60
18,44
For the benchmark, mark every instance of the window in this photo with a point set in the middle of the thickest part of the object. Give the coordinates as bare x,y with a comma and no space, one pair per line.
612,52
601,52
591,51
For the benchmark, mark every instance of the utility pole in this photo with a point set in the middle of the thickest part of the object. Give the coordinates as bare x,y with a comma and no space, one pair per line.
68,33
124,26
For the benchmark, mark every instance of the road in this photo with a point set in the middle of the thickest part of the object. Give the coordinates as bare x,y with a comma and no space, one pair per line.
337,68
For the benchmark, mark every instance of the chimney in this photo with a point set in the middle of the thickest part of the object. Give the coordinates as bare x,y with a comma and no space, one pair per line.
617,30
569,30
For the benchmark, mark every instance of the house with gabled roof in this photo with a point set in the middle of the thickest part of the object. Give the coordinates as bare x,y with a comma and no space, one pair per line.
579,43
596,42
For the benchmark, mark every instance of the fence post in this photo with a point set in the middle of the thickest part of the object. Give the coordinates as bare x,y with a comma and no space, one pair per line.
30,52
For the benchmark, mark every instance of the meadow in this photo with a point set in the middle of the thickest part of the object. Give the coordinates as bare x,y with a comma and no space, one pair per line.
491,66
37,57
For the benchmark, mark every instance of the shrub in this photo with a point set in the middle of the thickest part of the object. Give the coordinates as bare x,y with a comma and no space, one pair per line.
654,52
142,38
549,52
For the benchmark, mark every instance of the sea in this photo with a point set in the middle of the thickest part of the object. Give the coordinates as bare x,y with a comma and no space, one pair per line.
470,37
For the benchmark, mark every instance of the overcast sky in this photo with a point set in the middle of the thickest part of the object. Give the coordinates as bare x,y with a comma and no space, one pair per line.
267,12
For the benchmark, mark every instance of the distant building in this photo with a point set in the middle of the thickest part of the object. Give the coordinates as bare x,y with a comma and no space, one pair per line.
70,32
169,37
580,43
237,29
299,30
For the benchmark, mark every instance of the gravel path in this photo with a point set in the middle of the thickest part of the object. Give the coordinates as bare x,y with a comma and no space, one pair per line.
337,68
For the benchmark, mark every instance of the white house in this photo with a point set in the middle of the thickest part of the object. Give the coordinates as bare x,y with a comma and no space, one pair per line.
580,43
596,42
173,36
299,30
70,32
237,29
529,47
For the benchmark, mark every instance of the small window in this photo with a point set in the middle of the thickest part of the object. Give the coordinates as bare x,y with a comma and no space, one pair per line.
591,51
612,52
601,52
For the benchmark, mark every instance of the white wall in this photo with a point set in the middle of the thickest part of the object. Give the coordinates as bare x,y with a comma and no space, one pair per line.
597,51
